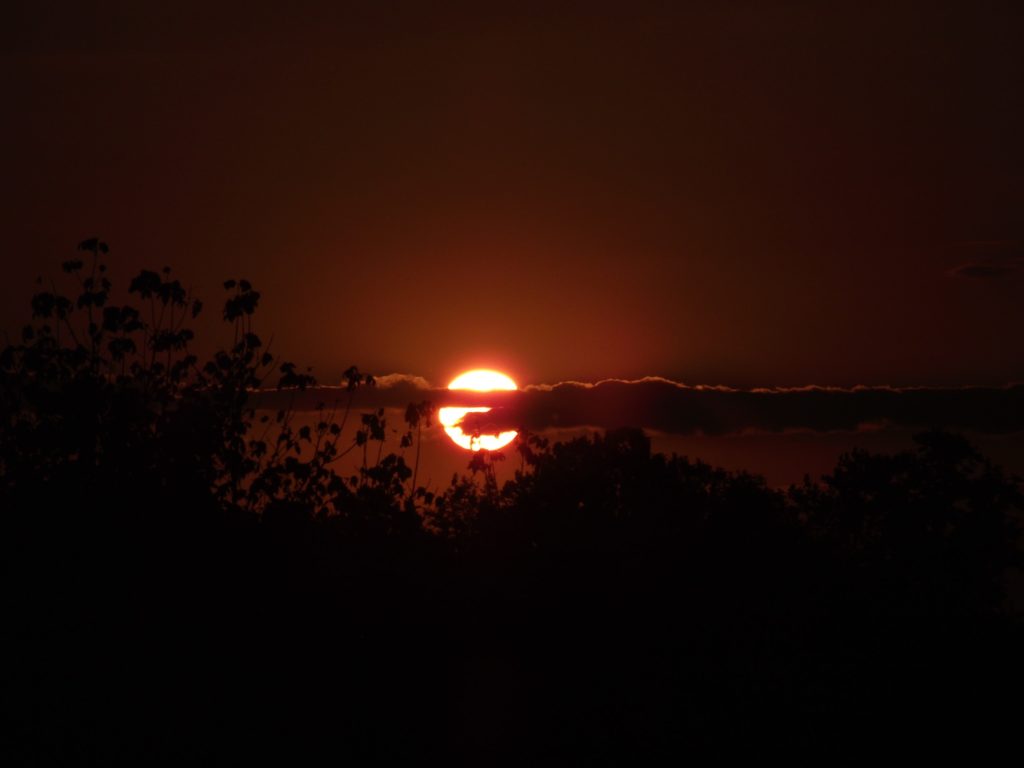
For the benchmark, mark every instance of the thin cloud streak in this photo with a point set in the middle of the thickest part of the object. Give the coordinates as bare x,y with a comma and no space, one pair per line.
671,407
989,259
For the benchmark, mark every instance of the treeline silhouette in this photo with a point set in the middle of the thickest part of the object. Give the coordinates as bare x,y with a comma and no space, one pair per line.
187,580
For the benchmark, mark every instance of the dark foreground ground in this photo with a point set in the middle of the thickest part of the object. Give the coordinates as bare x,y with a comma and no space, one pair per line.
613,606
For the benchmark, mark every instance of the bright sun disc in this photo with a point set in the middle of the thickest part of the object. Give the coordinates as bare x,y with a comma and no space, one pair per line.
478,381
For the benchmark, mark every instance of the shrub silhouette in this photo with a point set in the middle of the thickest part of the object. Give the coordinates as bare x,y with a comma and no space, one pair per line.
187,579
115,399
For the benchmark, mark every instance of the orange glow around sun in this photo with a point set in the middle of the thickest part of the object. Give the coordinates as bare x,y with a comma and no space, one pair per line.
478,381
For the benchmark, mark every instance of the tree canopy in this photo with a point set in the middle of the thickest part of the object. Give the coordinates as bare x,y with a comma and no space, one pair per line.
189,579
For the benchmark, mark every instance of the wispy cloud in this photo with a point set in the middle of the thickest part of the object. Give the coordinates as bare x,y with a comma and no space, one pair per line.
989,259
672,407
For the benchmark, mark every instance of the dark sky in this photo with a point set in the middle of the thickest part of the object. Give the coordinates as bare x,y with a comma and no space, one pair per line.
749,194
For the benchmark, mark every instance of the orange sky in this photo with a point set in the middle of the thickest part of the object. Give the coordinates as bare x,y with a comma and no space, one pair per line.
751,196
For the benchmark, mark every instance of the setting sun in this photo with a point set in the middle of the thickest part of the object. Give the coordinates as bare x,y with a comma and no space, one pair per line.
480,380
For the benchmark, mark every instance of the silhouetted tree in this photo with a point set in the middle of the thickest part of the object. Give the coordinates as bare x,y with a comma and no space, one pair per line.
188,579
935,528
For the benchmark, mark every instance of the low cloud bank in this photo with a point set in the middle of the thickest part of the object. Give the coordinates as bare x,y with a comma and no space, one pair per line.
671,407
989,259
